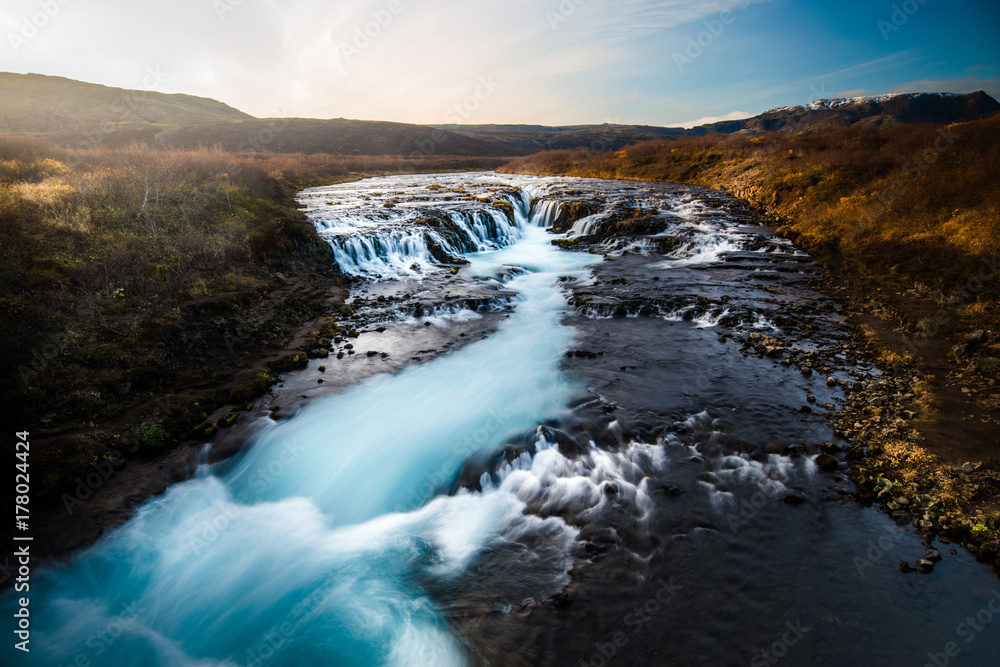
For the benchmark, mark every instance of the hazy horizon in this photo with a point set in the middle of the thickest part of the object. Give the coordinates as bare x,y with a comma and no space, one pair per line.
560,62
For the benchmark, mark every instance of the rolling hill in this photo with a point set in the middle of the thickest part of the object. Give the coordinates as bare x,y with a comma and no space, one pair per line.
38,104
73,113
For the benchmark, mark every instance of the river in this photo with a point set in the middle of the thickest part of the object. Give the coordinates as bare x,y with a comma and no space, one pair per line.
532,456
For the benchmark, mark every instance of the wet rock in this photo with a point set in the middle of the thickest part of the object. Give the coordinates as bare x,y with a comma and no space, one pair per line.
371,353
925,566
827,462
794,498
855,453
932,555
831,382
811,398
905,567
771,448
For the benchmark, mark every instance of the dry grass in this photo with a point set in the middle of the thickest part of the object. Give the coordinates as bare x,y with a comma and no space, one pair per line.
99,247
908,203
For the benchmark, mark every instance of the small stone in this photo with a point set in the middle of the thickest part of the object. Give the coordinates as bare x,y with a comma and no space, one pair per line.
933,555
831,382
371,353
905,567
811,398
925,566
904,501
771,448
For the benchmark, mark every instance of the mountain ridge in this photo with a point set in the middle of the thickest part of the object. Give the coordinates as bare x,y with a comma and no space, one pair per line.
76,113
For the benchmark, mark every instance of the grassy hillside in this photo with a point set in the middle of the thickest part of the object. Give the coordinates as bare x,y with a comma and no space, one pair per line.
338,136
37,104
534,138
903,205
141,289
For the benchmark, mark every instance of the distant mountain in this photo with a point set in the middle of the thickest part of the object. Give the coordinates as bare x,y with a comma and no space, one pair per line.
38,104
67,112
881,110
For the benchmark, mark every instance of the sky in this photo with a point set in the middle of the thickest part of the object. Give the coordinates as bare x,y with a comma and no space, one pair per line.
549,62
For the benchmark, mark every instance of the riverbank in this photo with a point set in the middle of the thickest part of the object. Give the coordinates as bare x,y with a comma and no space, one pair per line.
148,298
904,222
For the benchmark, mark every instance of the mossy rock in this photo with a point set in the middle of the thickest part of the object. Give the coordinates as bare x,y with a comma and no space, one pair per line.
250,386
151,434
229,420
291,362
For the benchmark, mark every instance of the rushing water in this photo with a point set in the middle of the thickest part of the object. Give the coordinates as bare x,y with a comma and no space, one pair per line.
440,514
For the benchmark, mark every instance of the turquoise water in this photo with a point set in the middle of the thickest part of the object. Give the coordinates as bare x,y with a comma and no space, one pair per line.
310,548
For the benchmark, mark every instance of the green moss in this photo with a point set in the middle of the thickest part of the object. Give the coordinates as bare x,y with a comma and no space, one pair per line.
250,386
229,420
151,434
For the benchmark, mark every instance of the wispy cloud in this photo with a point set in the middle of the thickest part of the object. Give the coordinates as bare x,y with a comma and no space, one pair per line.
705,120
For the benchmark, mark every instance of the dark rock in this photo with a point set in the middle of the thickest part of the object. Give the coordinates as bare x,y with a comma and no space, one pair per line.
905,567
855,453
827,462
371,353
924,566
771,448
794,499
933,555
